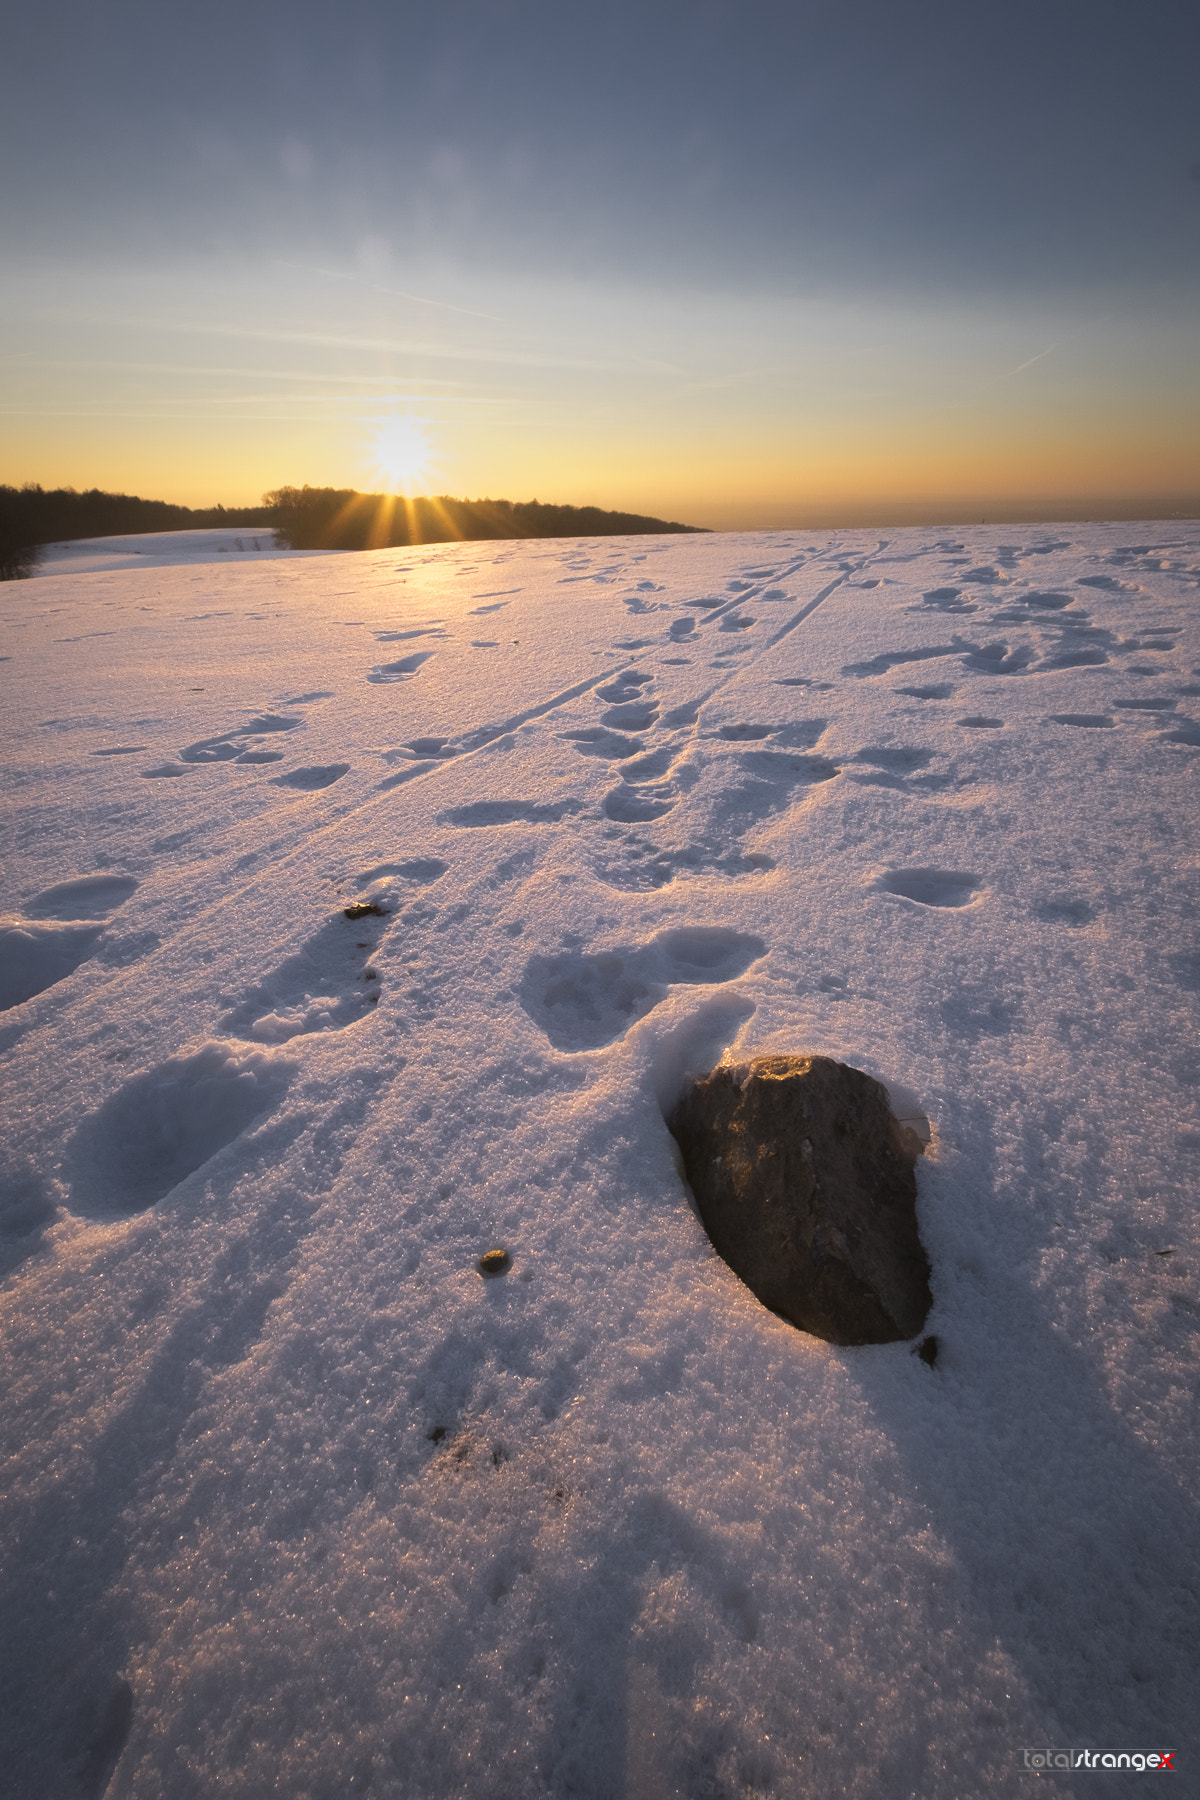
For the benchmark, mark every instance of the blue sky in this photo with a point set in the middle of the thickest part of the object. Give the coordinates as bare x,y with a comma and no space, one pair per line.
550,226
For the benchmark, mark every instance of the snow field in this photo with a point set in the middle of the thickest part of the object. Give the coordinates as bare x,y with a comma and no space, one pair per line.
348,1517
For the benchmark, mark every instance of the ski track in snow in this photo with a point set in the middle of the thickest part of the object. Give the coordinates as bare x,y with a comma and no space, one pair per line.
342,944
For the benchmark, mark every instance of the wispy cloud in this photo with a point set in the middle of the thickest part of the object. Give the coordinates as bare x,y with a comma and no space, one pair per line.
378,287
394,347
206,371
1021,367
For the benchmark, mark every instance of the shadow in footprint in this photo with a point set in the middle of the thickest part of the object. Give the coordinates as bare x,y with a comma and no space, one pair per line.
310,781
1064,912
27,1207
88,897
931,887
768,779
637,806
421,869
403,669
509,812
593,740
582,1002
326,986
631,717
164,1125
897,759
36,957
625,688
231,744
945,600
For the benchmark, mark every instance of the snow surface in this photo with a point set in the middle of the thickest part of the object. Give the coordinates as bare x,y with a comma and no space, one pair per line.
345,1516
162,549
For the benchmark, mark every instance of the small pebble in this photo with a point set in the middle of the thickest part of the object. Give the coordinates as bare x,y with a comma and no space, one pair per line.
494,1262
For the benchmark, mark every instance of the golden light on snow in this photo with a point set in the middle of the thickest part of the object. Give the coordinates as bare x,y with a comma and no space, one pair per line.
401,452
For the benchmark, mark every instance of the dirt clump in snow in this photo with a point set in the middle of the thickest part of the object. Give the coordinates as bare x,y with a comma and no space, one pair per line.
805,1183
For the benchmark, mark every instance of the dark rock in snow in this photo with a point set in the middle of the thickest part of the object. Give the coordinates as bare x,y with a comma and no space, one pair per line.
804,1181
494,1262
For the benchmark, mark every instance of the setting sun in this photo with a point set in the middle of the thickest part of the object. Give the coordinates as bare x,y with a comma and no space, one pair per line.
401,452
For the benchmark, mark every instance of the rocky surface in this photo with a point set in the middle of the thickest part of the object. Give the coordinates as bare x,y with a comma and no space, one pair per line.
805,1184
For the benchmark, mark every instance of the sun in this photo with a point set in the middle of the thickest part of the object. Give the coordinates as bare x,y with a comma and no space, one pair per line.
401,452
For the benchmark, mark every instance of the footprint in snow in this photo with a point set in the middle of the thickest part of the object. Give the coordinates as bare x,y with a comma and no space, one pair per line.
1064,912
631,716
231,746
85,897
944,600
647,867
899,766
36,957
931,887
164,1125
626,687
422,869
509,812
28,1205
326,986
403,669
594,740
765,783
311,780
581,1002
42,949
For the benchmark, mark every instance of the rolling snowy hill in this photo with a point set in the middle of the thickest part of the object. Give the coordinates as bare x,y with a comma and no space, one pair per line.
295,1502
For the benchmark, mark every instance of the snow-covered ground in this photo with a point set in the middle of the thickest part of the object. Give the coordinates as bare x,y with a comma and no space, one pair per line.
162,549
347,1517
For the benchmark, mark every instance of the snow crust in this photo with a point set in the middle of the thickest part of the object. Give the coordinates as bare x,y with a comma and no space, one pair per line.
295,1501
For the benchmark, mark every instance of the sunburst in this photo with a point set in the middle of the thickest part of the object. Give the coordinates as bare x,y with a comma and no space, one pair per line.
401,452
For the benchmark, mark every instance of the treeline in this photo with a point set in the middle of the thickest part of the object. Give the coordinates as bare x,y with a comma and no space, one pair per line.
311,518
304,518
31,516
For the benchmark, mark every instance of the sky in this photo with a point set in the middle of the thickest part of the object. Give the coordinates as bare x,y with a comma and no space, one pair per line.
741,265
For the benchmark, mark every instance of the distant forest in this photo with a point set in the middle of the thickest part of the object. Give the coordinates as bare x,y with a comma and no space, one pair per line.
304,518
31,516
342,519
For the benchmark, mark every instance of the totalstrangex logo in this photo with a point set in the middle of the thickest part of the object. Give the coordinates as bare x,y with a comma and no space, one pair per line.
1140,1760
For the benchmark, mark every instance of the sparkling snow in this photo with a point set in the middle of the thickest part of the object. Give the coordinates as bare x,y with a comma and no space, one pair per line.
345,1516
